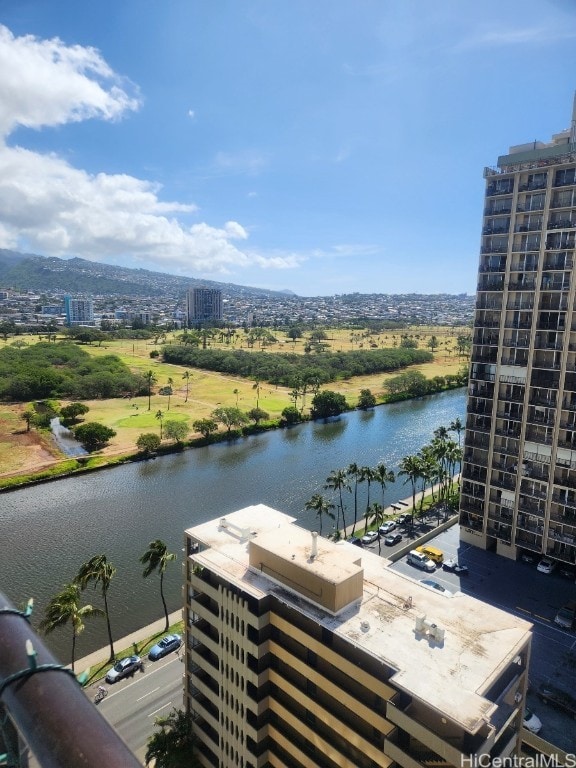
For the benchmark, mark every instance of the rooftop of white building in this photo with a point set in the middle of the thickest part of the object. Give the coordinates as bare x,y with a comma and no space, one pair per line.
450,662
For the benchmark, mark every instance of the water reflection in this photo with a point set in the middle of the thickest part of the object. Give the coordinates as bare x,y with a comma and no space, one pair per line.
65,440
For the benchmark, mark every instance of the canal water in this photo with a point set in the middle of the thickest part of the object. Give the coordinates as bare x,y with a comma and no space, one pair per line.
49,530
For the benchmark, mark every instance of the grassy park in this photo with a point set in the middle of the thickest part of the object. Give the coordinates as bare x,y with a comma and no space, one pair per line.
23,452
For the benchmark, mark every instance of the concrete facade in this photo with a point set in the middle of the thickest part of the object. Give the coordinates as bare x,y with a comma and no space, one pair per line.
306,652
519,468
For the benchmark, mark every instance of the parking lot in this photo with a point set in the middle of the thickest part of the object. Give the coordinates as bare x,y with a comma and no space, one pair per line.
519,588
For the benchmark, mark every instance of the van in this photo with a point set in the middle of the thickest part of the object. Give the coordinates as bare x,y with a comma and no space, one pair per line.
432,553
420,560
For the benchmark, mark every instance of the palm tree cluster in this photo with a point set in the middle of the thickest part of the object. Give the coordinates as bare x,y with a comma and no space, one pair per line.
65,607
434,466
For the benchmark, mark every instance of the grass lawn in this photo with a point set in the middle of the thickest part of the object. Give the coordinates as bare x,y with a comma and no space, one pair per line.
22,452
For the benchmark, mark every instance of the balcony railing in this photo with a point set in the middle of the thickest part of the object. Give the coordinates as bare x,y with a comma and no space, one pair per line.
52,713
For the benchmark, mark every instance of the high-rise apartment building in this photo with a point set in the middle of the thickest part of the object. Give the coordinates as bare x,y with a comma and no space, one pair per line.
203,304
519,468
302,651
78,311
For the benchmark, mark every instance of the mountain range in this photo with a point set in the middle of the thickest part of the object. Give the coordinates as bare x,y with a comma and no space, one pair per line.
30,272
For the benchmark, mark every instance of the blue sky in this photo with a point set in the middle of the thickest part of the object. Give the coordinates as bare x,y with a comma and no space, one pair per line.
320,146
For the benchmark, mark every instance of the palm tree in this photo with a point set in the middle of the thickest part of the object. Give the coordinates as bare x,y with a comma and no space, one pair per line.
150,381
352,471
458,427
337,481
383,476
410,467
156,558
366,474
256,386
236,392
170,383
376,512
322,507
99,571
65,608
160,416
186,375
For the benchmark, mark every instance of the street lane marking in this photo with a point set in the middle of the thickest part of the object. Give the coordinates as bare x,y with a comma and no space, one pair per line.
148,694
160,709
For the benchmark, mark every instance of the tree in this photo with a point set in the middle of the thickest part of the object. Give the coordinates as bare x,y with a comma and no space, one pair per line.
322,507
433,343
230,417
256,386
366,399
291,414
173,745
150,379
156,558
148,442
186,375
353,471
175,430
456,426
98,571
257,415
366,475
205,426
337,480
160,417
411,468
72,411
64,608
28,416
383,476
169,388
327,403
93,435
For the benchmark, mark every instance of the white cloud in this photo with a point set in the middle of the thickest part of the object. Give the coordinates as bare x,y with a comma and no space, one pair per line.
191,114
491,38
50,207
248,161
44,82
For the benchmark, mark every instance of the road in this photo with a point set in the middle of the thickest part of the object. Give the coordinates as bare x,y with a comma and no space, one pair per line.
132,705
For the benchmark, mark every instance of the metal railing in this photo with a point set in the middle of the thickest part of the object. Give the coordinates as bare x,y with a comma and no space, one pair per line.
47,705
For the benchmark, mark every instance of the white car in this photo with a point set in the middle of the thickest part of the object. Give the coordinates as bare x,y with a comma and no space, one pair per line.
387,528
531,721
546,565
369,537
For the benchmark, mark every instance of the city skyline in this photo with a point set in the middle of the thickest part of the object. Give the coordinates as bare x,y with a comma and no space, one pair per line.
321,148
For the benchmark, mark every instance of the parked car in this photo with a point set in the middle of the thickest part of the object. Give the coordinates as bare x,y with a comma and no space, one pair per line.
567,572
546,565
369,537
387,528
168,644
403,519
418,560
528,557
354,540
566,616
124,668
434,585
549,694
454,567
392,539
531,722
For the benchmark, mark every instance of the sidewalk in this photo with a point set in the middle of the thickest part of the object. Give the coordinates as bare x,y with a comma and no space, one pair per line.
125,644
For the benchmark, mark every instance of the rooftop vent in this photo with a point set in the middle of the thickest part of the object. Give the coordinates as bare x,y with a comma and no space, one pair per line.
242,533
433,631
